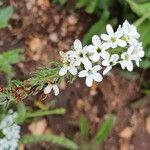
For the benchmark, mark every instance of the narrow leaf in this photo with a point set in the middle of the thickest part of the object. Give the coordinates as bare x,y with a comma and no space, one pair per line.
41,113
83,124
104,129
62,141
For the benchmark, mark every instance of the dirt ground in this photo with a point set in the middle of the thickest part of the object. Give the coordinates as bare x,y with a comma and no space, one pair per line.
43,30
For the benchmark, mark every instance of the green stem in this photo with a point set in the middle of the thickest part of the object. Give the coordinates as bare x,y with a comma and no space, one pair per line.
41,113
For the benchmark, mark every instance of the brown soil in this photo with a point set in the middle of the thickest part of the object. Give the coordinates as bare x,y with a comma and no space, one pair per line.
43,30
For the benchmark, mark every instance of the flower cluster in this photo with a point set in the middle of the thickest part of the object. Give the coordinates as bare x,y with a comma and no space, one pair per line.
120,47
10,131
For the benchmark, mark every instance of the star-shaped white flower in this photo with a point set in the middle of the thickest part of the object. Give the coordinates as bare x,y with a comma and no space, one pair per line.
49,88
69,63
138,53
96,49
130,33
91,73
81,52
127,58
109,61
112,39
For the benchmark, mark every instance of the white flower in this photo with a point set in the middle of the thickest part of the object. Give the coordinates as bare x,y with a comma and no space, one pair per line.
138,53
69,63
11,132
109,61
130,33
113,39
91,73
96,49
81,52
127,58
49,88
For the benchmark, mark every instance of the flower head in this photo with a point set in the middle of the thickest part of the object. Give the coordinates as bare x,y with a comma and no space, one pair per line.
112,39
10,131
69,63
130,33
127,58
49,88
138,53
81,52
109,61
91,73
96,49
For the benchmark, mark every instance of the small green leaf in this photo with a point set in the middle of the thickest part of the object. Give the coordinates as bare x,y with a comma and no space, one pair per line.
5,14
41,113
104,129
83,124
62,141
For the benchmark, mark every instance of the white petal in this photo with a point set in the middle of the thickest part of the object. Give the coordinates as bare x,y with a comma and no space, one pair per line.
129,66
88,65
130,50
123,64
113,44
123,55
77,45
106,45
56,90
91,48
96,57
105,55
141,53
118,33
107,69
89,81
62,71
85,49
133,41
137,62
96,68
105,62
47,89
109,29
72,70
82,73
97,77
134,57
105,37
121,43
96,40
114,58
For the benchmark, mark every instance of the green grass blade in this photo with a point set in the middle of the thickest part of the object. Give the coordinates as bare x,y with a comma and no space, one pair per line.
62,141
83,124
41,113
104,129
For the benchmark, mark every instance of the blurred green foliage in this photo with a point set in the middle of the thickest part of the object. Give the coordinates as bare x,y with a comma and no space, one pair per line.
101,134
7,59
5,14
